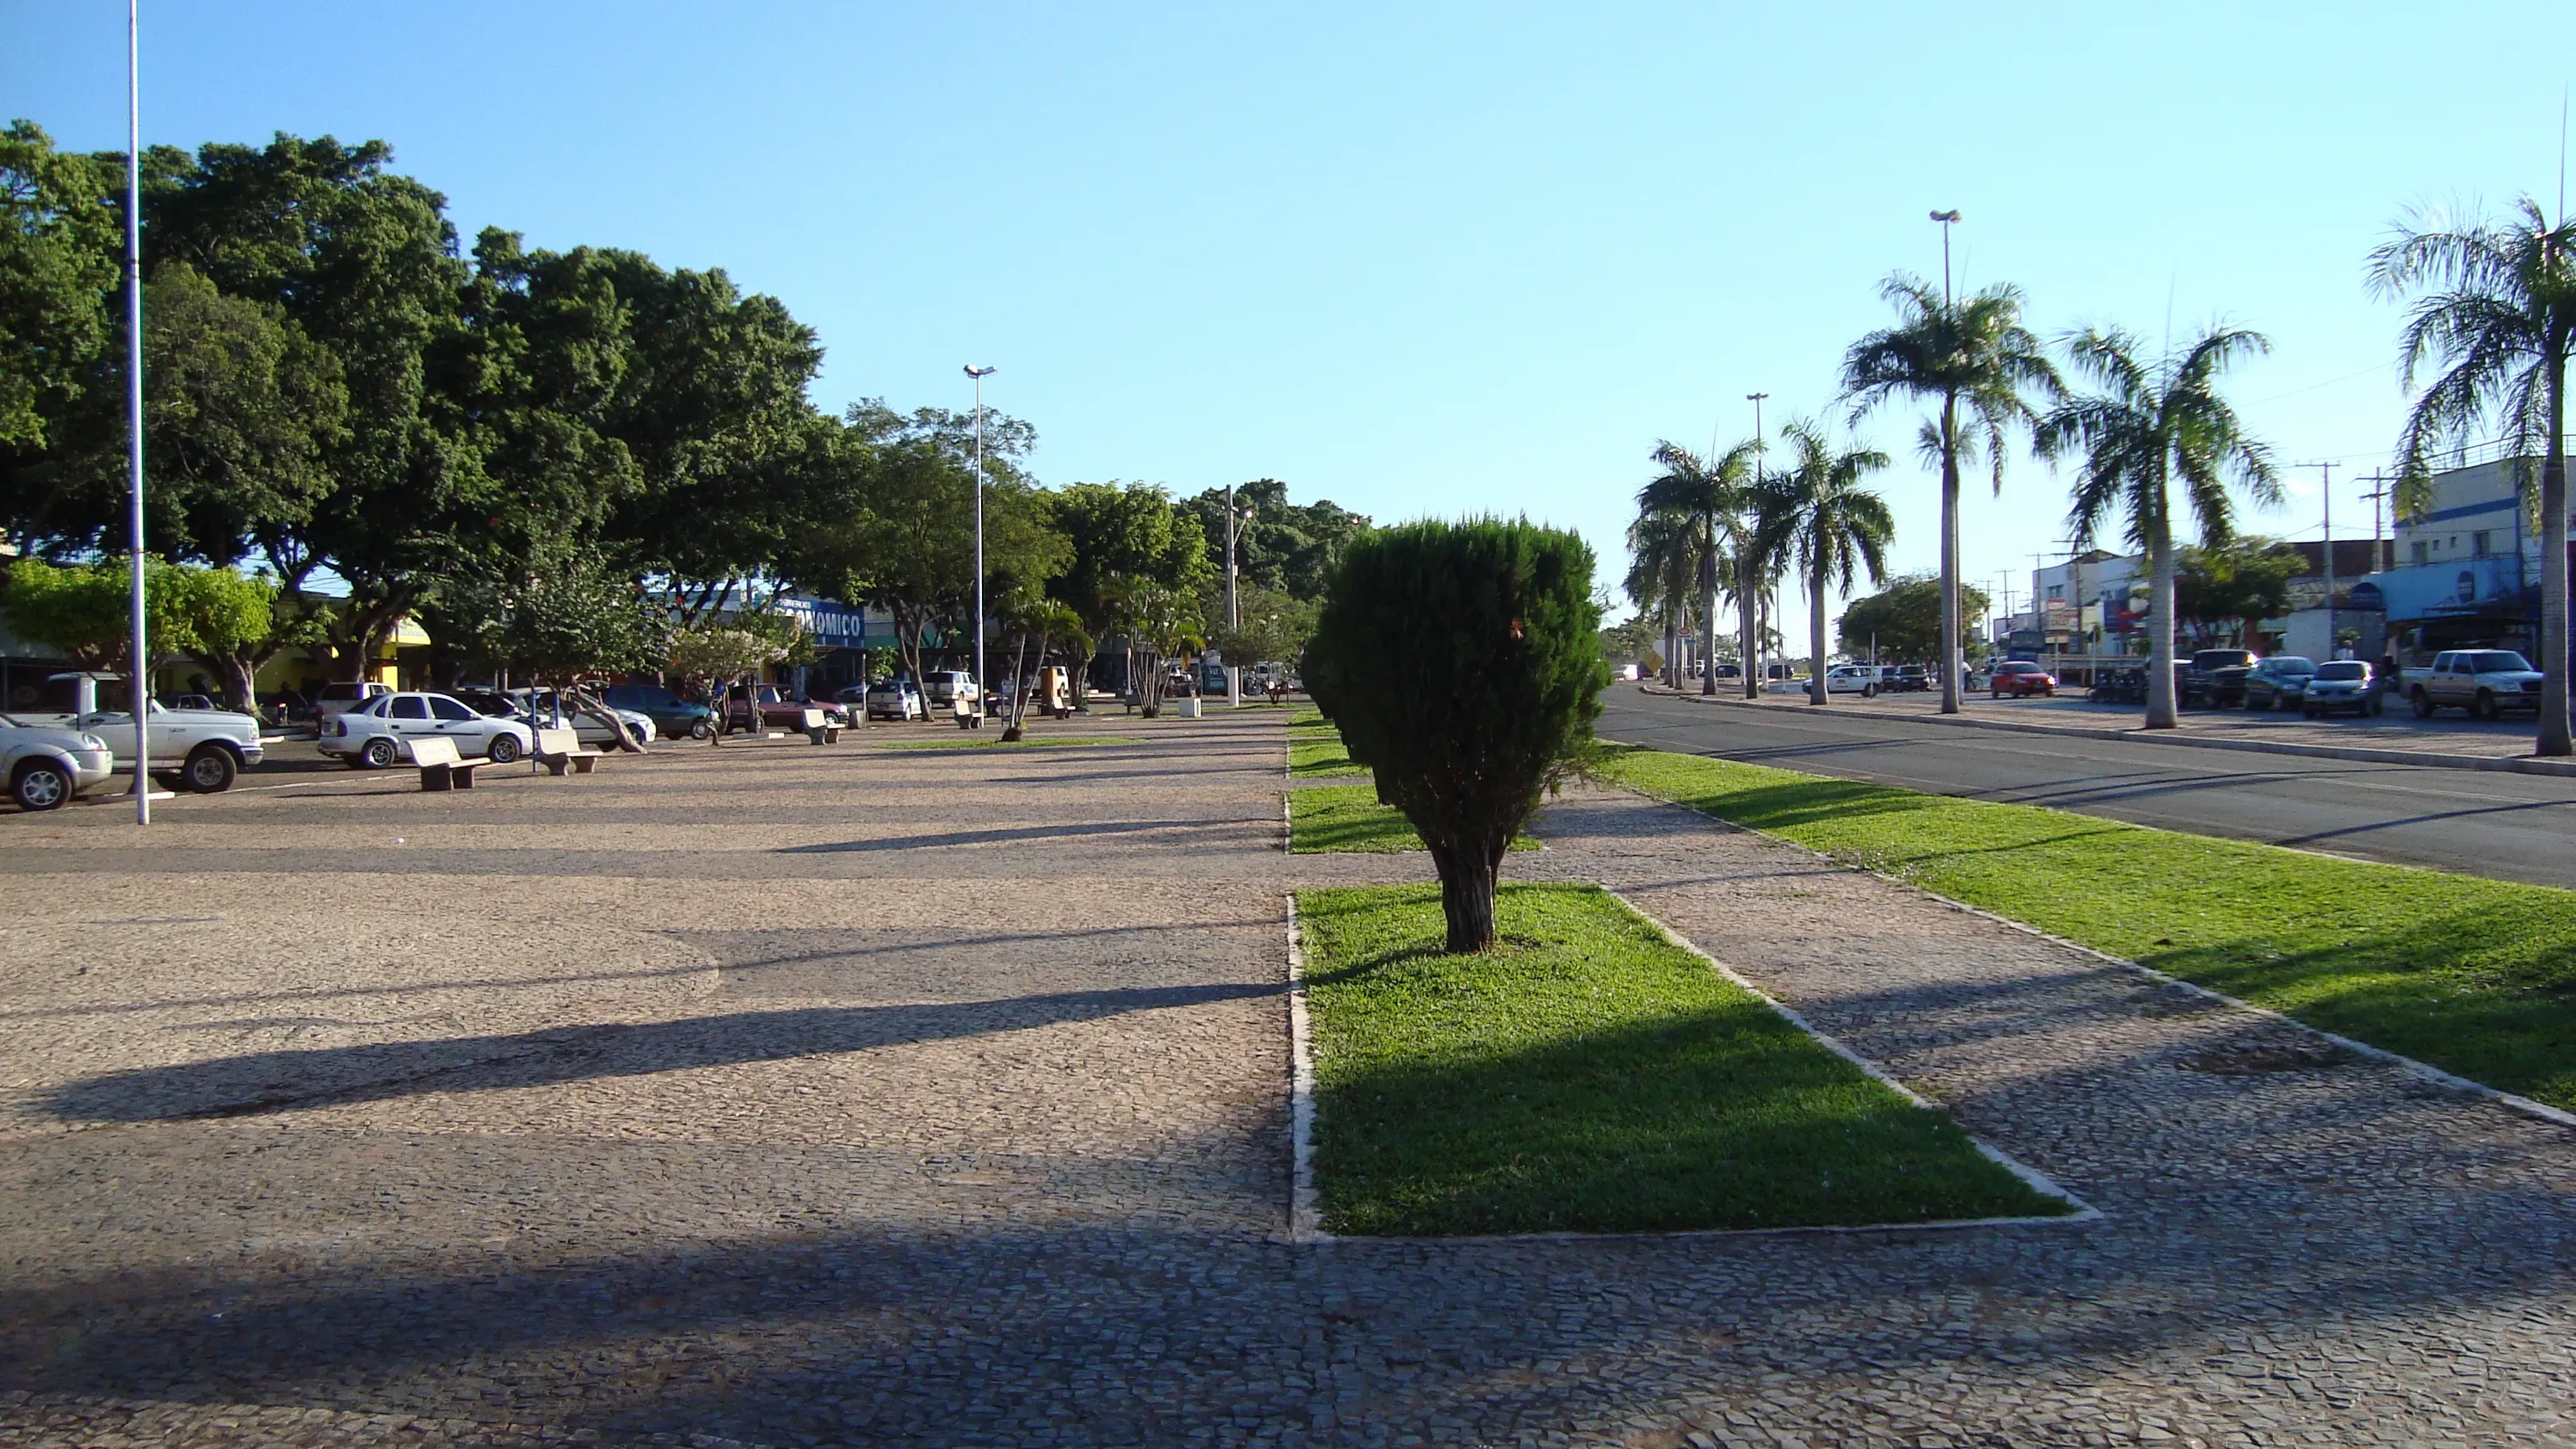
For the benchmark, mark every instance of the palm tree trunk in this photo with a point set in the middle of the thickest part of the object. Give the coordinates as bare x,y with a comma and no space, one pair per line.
1747,618
1708,661
1817,693
1953,659
2160,624
2554,735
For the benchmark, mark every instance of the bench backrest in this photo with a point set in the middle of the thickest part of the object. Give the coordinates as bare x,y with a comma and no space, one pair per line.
558,742
434,750
813,719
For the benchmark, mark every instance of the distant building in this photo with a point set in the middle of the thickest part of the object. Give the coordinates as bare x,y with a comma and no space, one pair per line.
2465,572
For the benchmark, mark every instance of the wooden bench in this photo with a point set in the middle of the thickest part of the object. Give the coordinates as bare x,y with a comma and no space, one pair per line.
441,767
819,728
561,749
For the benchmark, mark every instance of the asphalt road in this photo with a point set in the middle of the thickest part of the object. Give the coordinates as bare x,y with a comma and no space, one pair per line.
2508,826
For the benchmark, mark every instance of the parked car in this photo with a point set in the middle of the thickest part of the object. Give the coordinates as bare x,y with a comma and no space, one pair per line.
46,767
341,696
2279,682
201,750
2020,678
2343,684
2215,678
940,688
1860,679
894,699
2485,682
674,717
1907,679
371,736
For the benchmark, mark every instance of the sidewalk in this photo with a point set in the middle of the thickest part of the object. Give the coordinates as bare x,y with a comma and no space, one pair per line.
2395,738
781,1095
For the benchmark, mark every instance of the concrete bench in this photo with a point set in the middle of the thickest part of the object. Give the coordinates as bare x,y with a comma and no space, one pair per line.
818,727
561,750
441,767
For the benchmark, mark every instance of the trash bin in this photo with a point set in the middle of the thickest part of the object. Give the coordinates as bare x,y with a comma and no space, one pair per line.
1186,707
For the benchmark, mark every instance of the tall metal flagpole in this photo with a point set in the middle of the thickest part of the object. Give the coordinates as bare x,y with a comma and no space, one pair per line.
138,682
979,374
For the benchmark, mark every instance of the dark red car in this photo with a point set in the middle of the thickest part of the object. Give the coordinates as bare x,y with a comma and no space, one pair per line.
2020,678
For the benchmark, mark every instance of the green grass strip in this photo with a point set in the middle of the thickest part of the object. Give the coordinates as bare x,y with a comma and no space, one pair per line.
1026,742
1313,753
1328,818
2477,977
1588,1075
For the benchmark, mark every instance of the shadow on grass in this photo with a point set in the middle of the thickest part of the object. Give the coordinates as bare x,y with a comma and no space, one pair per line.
1590,1076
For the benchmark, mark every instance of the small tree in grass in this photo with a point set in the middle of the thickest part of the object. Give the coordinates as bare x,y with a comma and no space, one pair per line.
1462,664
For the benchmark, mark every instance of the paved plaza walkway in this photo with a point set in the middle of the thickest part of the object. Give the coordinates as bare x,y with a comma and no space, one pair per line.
782,1095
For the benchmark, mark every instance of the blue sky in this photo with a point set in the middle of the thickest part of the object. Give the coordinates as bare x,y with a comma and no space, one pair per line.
1419,260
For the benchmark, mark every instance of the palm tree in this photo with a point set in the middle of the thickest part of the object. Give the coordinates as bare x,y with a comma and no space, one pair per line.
1817,518
2495,314
2142,428
1708,498
1660,570
1972,353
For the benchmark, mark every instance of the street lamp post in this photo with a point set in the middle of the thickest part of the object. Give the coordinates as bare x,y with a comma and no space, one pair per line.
1954,655
139,683
1745,594
1233,610
979,374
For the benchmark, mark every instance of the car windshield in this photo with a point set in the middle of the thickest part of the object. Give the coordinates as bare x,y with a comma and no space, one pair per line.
2344,669
2293,664
2501,661
2222,659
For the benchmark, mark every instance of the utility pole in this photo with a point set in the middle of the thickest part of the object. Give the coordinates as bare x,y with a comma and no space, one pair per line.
2378,560
1757,652
1233,611
2325,490
979,374
139,685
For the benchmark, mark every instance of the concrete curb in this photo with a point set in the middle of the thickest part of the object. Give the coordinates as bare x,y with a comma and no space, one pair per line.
2517,764
1305,1219
2511,1102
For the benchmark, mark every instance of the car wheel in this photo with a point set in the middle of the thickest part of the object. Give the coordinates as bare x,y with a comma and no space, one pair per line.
2422,702
700,729
210,770
502,750
2484,706
1869,691
41,785
379,753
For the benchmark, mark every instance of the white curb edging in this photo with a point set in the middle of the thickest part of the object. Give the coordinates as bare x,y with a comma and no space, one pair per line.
2540,1111
1305,1217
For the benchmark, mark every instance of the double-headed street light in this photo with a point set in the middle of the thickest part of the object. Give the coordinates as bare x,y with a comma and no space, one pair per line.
979,374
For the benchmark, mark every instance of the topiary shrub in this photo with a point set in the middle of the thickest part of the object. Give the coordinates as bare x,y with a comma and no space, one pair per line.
1463,664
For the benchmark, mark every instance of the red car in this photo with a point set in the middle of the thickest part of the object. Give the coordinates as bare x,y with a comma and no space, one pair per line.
2020,678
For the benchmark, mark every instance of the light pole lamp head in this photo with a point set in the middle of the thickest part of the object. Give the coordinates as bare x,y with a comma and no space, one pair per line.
1951,215
979,372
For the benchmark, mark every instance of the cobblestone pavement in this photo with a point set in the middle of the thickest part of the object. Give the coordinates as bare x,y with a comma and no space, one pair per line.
779,1095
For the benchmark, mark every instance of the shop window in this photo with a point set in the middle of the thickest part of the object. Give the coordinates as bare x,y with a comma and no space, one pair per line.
2478,542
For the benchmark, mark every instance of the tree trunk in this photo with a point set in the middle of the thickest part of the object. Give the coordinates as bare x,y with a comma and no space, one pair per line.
1954,660
2160,625
1817,693
1467,895
1747,602
2554,735
1708,627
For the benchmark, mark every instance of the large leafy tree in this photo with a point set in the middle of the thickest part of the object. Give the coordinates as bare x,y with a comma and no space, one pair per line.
364,263
1903,620
2145,425
1462,663
1973,357
1281,546
2494,317
58,244
2241,580
1818,518
1661,568
1124,533
1707,496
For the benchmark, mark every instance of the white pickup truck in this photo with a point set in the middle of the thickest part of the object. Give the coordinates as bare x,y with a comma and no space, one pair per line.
200,749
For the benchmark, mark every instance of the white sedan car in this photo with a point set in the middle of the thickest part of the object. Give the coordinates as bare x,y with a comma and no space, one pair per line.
371,736
46,767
